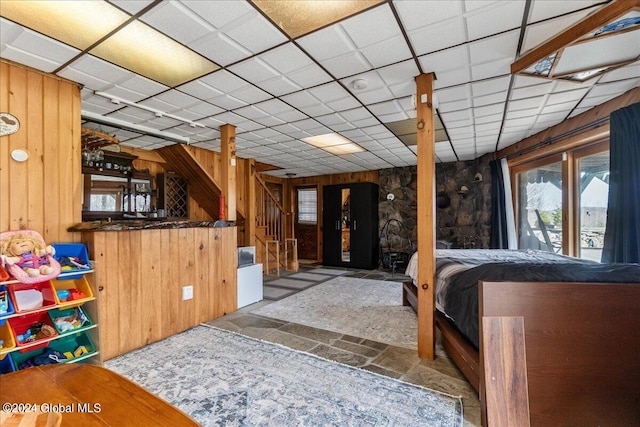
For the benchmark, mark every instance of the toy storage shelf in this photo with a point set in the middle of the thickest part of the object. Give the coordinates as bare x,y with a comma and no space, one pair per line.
65,280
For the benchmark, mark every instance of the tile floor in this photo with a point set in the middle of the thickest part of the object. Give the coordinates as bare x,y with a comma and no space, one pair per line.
396,362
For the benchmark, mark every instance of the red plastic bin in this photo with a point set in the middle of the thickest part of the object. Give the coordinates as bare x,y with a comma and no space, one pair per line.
48,295
19,325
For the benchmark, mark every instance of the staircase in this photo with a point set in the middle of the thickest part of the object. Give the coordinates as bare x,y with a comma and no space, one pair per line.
275,248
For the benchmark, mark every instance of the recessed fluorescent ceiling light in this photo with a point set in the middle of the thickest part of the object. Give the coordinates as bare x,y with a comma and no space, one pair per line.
136,46
144,50
301,17
334,143
76,23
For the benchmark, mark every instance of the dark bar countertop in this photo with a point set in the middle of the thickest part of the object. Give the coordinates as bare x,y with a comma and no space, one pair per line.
138,224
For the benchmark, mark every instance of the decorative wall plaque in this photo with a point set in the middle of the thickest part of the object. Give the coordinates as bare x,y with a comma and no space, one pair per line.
8,124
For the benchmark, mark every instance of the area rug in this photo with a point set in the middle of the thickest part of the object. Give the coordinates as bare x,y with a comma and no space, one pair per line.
362,308
221,378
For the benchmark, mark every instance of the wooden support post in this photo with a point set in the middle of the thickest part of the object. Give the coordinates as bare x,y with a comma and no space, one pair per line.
426,216
250,200
228,155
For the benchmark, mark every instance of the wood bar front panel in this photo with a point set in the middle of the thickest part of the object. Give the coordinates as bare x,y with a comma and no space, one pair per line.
140,279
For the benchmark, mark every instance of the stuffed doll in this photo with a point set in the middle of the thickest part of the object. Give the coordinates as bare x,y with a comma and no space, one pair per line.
28,253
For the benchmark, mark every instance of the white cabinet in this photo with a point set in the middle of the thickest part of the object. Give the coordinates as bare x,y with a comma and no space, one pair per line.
249,284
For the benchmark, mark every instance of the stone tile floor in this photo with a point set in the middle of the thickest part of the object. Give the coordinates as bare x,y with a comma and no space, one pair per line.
396,362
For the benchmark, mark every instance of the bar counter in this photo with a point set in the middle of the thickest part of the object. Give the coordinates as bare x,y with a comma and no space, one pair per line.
138,224
141,272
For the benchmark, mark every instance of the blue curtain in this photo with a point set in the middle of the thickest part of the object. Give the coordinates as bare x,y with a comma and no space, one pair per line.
622,233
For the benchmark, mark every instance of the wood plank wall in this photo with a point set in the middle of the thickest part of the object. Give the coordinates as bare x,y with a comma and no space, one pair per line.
139,277
45,192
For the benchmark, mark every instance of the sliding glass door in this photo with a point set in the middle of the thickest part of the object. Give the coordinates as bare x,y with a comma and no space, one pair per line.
561,201
539,214
593,173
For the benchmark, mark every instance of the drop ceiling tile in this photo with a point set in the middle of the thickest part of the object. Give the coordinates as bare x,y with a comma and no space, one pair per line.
399,73
613,88
568,96
496,48
553,108
87,69
178,21
494,17
417,14
253,31
444,34
453,106
445,60
491,69
311,75
220,48
387,52
347,64
254,70
459,76
490,99
631,71
384,108
556,15
516,114
251,94
532,90
307,103
526,103
486,87
132,6
32,49
278,86
542,10
487,118
200,109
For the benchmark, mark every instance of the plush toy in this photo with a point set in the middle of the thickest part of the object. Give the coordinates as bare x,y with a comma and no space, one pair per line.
28,253
26,257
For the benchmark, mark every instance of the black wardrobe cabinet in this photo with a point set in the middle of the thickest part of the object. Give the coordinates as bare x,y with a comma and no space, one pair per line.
350,225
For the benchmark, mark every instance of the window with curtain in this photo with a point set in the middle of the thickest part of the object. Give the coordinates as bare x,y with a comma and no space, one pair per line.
307,205
593,180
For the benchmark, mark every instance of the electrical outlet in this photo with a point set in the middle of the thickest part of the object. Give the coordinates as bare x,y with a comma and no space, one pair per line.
187,293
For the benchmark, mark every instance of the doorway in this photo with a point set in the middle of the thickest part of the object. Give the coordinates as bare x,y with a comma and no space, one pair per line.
306,221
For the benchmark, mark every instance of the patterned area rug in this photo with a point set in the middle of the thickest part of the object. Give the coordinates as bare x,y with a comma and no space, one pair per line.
221,378
362,308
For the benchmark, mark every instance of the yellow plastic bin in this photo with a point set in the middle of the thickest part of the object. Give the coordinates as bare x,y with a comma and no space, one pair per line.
80,284
8,340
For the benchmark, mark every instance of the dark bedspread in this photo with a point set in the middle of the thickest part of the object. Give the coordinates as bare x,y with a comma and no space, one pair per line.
460,298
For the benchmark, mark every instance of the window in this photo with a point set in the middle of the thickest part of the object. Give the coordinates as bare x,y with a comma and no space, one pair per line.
307,205
561,201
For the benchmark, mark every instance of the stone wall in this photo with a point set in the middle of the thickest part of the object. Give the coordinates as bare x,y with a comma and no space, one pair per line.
464,221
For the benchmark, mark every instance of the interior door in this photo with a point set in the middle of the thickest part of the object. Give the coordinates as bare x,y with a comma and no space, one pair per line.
306,222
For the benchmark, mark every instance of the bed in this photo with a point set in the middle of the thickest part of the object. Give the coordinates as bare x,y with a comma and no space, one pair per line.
580,329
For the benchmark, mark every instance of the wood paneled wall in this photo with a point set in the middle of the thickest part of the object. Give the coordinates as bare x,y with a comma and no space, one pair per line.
139,277
45,192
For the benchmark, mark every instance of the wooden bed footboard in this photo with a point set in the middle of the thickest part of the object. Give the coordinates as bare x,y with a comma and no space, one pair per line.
582,348
581,344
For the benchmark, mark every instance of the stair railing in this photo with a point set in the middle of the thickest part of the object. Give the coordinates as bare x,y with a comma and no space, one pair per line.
271,215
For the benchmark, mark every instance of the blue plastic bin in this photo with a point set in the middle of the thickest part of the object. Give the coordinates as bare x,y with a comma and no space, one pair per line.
73,250
7,366
10,307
